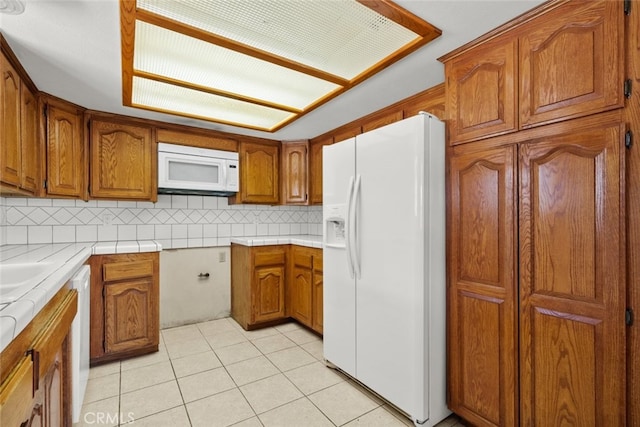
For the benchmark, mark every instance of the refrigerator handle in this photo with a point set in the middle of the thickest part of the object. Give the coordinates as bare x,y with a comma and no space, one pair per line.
353,237
348,229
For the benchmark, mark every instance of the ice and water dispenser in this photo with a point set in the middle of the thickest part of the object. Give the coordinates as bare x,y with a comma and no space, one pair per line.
335,225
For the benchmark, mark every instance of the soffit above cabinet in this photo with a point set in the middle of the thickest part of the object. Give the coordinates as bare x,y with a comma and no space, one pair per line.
258,64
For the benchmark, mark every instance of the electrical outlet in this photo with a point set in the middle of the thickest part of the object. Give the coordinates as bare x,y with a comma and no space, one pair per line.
222,257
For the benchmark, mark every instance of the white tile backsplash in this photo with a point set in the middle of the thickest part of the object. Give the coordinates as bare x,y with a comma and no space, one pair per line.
174,220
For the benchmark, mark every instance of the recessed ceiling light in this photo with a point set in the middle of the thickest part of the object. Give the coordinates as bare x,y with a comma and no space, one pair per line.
258,64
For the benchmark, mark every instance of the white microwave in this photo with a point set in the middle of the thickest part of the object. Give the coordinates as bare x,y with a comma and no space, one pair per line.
192,170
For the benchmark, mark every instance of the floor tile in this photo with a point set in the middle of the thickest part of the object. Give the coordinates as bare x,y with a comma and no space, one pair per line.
379,417
195,363
222,409
203,384
315,348
214,327
273,343
146,376
106,411
403,418
145,360
259,333
237,353
290,358
342,402
287,327
301,336
151,400
270,393
314,377
300,412
104,370
102,387
188,347
251,422
225,339
251,370
175,417
180,334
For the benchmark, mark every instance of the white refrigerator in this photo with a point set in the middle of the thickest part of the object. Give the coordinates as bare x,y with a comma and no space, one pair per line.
384,263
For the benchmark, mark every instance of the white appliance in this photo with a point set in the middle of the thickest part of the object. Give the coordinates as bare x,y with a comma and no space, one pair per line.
80,341
384,263
192,170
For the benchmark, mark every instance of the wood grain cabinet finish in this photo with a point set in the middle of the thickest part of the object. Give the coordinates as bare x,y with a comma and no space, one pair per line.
481,91
572,62
125,305
295,173
304,287
65,151
315,169
572,280
123,161
258,280
383,120
19,149
259,173
482,291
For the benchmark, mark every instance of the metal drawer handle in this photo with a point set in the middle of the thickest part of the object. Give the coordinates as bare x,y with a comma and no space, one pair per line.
203,275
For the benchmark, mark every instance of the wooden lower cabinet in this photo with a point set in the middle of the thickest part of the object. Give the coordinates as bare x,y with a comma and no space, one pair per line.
35,388
124,305
305,286
269,284
536,287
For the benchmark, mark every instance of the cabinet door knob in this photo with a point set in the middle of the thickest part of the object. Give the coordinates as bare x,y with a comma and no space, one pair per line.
203,275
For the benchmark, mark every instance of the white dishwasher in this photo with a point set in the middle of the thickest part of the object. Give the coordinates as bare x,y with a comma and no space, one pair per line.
80,341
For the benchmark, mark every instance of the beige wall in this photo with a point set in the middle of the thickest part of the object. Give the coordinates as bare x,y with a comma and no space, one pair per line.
185,298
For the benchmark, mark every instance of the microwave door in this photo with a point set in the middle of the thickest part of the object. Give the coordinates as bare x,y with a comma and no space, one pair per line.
182,171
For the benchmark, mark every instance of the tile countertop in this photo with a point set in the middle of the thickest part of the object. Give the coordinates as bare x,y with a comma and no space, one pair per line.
18,307
300,240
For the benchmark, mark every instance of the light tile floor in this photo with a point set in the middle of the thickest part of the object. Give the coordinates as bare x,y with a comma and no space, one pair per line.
217,374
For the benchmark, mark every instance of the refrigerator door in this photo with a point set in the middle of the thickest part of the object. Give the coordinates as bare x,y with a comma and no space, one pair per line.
390,231
339,286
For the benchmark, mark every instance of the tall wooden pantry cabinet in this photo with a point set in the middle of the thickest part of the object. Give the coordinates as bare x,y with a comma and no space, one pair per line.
537,244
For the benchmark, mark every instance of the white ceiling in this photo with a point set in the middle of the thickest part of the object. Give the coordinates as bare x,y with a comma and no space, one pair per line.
71,49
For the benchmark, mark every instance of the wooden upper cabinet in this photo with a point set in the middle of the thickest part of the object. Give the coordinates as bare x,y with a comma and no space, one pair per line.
10,147
66,158
572,62
347,133
315,169
387,118
259,173
482,290
481,91
123,161
295,173
572,280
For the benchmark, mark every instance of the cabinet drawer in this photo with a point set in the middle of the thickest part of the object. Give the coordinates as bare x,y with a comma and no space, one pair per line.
302,258
126,270
16,394
269,258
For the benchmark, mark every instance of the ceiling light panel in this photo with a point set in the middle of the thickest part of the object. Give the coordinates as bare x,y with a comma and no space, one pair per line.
340,37
174,99
176,56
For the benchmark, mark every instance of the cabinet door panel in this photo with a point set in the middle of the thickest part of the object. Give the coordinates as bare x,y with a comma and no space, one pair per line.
315,170
65,153
30,145
572,288
318,293
259,170
11,154
122,161
301,294
481,91
268,294
572,62
482,291
294,173
129,314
